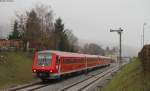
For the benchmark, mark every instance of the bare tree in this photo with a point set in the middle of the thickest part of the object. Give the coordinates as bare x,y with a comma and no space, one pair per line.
93,48
45,14
22,18
37,26
73,40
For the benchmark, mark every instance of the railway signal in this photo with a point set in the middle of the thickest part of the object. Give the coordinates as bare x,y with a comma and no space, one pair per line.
119,31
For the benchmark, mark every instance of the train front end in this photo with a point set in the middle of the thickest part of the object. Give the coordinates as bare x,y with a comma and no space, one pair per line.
43,65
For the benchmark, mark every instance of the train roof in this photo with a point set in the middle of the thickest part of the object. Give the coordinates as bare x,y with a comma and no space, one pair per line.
64,54
70,54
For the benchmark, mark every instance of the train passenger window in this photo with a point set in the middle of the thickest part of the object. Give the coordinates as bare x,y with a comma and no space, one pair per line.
69,61
73,61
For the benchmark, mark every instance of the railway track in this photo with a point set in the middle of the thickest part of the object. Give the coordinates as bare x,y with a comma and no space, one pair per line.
84,84
91,79
30,87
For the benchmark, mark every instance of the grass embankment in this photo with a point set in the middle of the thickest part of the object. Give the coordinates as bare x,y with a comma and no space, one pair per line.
15,68
130,78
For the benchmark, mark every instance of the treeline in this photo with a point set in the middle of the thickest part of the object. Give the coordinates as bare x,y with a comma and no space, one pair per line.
37,28
93,48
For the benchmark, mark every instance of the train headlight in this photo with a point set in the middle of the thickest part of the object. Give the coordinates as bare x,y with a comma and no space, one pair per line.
51,71
34,70
57,67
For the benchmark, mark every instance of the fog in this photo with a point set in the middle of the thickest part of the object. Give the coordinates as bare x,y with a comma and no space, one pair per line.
91,19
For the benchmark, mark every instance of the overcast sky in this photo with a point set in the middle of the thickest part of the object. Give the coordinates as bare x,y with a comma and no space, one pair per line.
92,19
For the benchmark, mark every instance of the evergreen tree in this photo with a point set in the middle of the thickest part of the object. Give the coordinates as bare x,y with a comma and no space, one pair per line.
61,40
15,33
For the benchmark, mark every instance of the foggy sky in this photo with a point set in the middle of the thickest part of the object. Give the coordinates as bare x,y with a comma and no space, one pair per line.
92,19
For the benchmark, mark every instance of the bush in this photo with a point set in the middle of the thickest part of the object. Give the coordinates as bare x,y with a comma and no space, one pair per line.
144,55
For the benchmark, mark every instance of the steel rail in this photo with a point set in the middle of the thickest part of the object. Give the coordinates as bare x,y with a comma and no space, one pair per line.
103,74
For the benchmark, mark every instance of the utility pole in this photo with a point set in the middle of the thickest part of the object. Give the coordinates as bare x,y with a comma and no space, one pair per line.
143,32
119,31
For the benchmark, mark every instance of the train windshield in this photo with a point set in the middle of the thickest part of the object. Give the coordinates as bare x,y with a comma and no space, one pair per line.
44,59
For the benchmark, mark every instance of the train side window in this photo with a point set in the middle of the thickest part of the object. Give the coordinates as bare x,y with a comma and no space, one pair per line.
57,60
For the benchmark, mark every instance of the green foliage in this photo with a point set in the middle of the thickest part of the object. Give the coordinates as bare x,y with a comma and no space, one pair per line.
61,38
59,26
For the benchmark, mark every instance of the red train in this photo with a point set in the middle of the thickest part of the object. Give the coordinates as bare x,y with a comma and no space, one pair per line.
54,64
